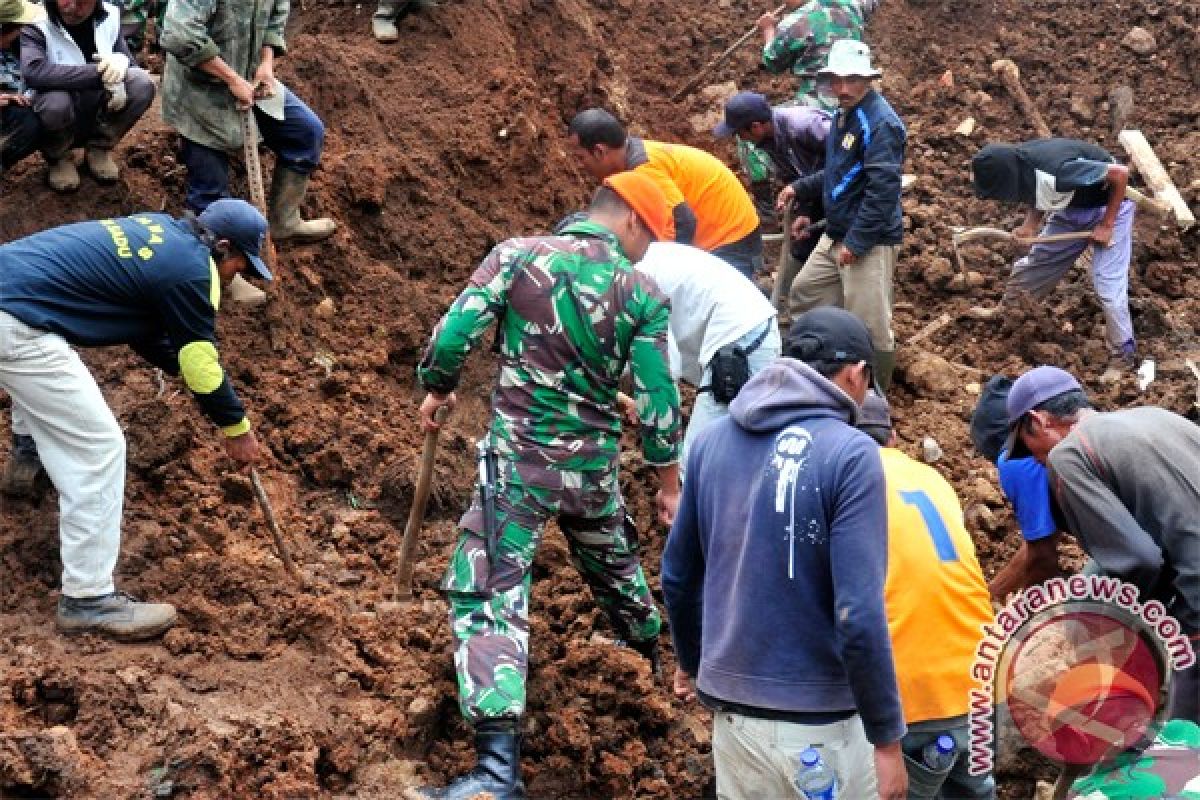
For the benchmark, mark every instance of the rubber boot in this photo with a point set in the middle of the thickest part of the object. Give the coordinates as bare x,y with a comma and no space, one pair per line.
497,773
648,649
245,294
23,468
885,365
117,615
63,176
287,193
383,23
100,163
56,148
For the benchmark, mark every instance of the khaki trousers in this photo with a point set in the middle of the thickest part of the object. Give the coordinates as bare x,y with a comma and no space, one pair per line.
864,288
757,759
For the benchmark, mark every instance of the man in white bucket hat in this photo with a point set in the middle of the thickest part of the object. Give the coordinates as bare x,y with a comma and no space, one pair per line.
853,263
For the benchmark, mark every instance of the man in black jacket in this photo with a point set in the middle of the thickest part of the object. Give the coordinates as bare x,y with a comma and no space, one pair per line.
852,265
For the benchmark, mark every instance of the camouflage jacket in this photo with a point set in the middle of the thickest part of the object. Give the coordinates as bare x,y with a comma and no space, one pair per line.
196,104
572,313
803,39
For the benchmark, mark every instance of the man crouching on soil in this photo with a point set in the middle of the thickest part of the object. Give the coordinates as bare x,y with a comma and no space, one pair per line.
573,313
149,281
773,576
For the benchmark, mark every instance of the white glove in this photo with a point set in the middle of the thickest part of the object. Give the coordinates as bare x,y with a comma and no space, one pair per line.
112,67
116,96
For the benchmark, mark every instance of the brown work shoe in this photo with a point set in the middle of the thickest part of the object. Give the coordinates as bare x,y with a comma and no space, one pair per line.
117,615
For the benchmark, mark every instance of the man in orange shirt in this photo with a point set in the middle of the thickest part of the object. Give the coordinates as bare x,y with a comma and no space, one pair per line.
709,205
937,603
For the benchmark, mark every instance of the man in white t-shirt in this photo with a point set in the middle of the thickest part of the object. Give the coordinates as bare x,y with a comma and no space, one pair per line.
712,306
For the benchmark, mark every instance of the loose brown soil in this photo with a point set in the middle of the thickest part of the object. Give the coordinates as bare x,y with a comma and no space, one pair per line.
437,148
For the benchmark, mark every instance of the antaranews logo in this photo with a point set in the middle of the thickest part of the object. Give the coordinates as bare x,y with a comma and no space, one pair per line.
1079,666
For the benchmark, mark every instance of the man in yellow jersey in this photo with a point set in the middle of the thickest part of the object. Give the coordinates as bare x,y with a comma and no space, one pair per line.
708,203
937,602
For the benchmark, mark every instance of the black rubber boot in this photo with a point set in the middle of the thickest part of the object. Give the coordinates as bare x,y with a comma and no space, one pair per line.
23,469
497,772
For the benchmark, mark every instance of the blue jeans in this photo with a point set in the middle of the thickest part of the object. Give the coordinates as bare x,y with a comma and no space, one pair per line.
706,408
955,783
745,255
296,141
22,132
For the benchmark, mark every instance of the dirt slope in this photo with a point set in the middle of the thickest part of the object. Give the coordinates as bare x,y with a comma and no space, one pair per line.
436,149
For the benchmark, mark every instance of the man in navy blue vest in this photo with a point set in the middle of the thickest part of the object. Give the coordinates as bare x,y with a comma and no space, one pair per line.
149,281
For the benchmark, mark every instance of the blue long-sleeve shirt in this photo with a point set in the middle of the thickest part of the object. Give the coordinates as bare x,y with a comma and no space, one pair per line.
860,184
774,569
146,281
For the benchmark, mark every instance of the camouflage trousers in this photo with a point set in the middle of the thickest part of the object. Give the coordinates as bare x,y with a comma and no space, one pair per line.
489,602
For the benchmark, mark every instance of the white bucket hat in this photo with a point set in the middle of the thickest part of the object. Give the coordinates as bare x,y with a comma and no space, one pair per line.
849,58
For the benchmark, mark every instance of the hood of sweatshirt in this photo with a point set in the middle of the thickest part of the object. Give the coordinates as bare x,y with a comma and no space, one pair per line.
787,390
1003,172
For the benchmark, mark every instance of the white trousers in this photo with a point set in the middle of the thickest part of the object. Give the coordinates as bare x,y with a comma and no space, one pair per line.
757,759
57,402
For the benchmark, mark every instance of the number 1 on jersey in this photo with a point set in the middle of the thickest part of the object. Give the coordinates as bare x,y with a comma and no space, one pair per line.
933,524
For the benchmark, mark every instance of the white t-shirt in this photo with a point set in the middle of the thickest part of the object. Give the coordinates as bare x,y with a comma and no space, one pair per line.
712,304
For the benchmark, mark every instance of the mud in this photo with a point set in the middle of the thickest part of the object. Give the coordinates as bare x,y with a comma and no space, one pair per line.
437,148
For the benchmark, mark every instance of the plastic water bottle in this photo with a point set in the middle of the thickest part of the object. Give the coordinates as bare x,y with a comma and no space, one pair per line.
814,779
940,754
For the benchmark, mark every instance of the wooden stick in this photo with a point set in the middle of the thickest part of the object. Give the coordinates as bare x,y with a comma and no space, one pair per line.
1146,161
930,329
254,178
788,267
273,525
404,565
1010,76
720,59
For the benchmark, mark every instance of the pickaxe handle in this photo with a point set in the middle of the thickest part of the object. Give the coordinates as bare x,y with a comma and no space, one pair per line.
720,59
273,525
404,566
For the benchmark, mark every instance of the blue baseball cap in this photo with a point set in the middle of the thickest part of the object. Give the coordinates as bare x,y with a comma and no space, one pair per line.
1027,393
740,110
243,225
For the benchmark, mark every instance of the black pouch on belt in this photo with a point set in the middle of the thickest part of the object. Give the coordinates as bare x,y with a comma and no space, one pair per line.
730,370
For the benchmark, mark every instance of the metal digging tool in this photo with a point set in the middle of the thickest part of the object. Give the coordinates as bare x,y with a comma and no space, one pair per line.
960,236
254,177
720,59
404,566
276,533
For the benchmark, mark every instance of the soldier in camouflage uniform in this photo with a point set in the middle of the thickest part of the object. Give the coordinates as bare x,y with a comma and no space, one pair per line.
134,16
573,314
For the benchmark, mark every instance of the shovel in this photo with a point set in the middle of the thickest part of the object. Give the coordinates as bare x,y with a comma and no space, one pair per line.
404,566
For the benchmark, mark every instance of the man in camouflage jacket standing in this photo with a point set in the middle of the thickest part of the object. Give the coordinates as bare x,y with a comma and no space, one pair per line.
800,42
573,314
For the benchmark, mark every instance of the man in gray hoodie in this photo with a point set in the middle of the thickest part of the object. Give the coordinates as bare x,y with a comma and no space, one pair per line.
797,657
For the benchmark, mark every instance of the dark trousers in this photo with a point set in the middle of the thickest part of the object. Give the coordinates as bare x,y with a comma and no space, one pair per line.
73,119
745,255
296,141
22,134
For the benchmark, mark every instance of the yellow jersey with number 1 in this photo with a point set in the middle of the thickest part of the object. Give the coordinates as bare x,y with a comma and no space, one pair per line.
937,600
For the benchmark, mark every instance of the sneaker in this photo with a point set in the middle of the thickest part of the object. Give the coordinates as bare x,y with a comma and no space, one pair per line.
63,177
23,468
117,615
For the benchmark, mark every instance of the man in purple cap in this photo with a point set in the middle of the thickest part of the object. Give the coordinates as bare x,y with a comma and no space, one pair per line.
793,138
149,281
1128,485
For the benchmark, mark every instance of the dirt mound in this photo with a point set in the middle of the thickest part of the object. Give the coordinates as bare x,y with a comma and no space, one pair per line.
437,148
